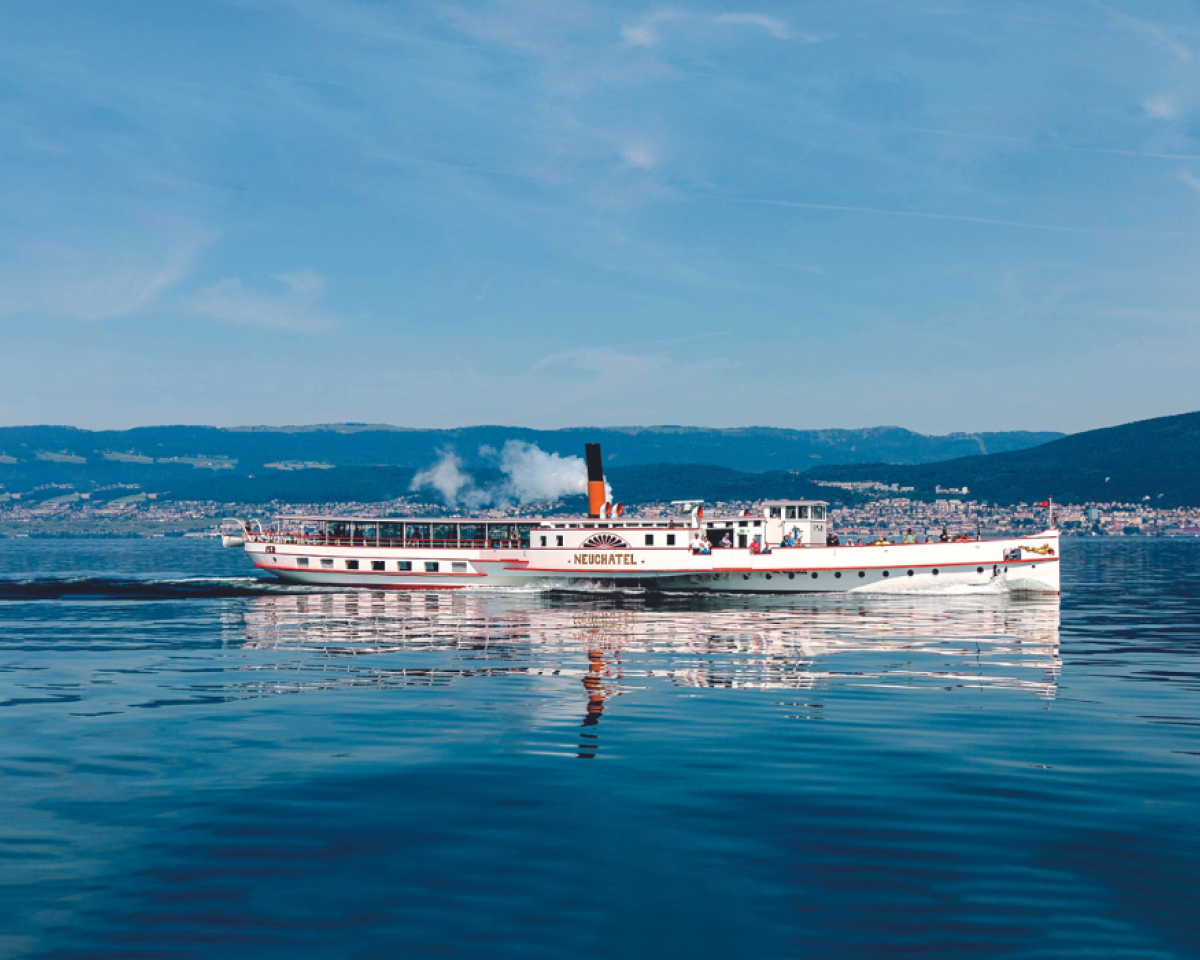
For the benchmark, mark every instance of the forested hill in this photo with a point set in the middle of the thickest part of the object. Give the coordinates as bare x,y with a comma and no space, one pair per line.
38,453
1156,460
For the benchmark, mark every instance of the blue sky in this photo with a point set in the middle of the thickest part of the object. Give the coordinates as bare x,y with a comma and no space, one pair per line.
944,215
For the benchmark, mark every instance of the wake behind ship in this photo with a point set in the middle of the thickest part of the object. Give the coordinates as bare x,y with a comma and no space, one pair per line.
782,546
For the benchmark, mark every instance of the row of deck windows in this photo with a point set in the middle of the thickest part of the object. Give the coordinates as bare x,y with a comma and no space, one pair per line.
380,566
439,534
558,540
797,513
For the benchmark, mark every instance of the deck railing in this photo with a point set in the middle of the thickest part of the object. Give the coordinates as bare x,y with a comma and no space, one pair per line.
318,540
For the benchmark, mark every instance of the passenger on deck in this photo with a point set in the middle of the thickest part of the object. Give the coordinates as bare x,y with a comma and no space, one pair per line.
831,539
945,537
697,544
909,536
755,546
726,542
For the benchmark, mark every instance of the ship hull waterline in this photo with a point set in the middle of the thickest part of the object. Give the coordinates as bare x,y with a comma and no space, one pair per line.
1018,565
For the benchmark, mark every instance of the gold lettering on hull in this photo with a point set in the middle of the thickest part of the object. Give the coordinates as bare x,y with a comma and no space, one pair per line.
604,559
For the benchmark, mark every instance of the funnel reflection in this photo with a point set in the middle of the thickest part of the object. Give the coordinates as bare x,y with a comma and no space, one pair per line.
391,640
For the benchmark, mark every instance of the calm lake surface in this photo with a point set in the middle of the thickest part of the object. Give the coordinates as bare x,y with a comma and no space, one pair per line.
196,764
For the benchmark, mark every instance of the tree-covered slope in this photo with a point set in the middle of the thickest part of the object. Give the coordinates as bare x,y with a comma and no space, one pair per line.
1157,459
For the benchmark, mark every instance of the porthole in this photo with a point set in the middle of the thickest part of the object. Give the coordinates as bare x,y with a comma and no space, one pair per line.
935,571
814,576
979,569
910,573
791,576
862,573
887,573
745,576
768,576
838,575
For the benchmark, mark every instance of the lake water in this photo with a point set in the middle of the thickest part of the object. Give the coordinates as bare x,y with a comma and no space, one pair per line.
196,764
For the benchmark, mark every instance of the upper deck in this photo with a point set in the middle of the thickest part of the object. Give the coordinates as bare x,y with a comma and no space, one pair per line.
770,522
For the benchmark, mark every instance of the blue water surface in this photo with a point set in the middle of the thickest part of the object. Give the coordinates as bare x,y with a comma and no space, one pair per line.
194,763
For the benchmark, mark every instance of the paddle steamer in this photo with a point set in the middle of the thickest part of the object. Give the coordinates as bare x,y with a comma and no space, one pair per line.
606,550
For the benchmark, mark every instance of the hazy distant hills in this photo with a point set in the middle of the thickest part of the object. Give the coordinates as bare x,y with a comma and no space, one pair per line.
371,462
1159,459
750,449
1156,460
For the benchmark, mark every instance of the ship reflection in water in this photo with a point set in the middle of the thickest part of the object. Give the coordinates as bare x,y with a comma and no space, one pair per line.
328,641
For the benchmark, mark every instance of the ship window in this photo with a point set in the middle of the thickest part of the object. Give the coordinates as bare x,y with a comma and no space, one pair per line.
523,533
444,531
471,531
458,566
670,539
543,539
391,531
979,569
327,561
649,539
403,565
791,513
818,513
558,541
935,571
378,565
351,564
431,566
838,575
814,576
861,573
776,512
416,531
886,573
758,523
498,532
910,573
802,513
302,561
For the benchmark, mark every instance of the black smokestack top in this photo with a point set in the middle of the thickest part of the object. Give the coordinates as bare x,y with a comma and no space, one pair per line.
595,465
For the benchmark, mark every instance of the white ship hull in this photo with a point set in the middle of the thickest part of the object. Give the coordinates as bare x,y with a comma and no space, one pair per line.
1025,564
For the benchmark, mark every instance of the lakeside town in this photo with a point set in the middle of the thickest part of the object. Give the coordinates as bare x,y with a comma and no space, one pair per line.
888,517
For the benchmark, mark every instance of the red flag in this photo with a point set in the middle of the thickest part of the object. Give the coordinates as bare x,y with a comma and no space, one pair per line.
1044,503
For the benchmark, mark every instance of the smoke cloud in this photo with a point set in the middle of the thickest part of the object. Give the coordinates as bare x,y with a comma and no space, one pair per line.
531,475
445,476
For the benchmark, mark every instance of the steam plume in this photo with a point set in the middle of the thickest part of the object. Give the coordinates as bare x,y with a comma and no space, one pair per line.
531,475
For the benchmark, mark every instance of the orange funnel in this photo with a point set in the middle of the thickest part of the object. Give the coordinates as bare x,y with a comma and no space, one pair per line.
595,472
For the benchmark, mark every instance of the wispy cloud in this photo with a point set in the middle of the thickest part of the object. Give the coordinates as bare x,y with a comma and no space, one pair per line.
96,284
773,25
1027,144
955,217
647,31
600,365
639,156
1161,107
293,310
1154,33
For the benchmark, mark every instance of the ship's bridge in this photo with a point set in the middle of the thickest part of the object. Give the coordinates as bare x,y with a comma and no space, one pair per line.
805,521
